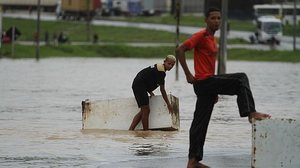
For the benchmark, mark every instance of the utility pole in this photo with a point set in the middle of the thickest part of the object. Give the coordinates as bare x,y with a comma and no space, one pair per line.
0,26
223,39
37,51
13,41
177,16
294,26
88,20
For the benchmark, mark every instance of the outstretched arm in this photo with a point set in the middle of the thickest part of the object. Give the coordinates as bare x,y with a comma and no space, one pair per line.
180,54
165,97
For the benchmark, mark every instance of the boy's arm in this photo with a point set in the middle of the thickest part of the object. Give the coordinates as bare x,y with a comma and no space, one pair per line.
165,97
151,94
180,54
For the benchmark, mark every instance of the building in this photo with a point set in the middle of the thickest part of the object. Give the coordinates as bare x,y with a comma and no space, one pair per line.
46,5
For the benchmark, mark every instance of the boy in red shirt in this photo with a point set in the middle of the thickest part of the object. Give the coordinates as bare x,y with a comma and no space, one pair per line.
207,85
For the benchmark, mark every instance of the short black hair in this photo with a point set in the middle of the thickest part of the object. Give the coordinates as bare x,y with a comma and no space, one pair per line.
211,9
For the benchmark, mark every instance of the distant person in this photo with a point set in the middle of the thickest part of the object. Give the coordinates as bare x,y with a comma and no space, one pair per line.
47,38
95,38
62,38
54,37
228,28
146,81
272,43
30,10
5,39
35,36
207,85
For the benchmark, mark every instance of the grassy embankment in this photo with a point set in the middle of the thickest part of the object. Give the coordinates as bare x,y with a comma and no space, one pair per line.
198,21
117,36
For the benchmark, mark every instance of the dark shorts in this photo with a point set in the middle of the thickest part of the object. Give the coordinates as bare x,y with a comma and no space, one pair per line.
141,95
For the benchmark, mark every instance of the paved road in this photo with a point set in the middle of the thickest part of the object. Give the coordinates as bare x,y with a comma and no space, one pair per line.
286,44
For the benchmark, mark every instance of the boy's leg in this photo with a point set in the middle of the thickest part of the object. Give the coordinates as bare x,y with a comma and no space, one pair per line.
237,84
137,118
142,100
145,116
234,84
204,106
198,130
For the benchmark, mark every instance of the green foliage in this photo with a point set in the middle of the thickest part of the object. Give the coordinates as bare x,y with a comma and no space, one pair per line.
76,31
289,30
117,36
257,55
198,21
22,51
124,51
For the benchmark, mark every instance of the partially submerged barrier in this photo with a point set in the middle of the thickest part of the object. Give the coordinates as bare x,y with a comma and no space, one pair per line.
276,143
118,114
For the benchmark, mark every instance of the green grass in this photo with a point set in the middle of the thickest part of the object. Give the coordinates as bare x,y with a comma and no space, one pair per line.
118,35
77,31
198,21
256,55
22,51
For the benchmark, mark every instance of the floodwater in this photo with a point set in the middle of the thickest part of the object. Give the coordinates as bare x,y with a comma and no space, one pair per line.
40,114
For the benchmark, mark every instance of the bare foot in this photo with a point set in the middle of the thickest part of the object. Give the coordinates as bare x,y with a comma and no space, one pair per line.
258,116
193,163
201,165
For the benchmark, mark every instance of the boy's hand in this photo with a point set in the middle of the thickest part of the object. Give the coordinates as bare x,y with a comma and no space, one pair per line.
190,78
170,108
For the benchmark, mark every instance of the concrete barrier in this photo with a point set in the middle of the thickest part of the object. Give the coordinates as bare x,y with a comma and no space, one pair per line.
118,114
276,143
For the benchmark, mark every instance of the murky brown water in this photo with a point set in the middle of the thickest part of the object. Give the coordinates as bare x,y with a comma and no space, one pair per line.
40,113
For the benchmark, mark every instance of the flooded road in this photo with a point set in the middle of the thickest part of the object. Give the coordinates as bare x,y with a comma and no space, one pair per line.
40,111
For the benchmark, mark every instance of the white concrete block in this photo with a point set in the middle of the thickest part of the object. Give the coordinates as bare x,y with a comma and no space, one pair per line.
118,114
276,143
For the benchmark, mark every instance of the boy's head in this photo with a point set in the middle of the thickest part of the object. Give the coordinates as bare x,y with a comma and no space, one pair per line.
213,18
169,62
211,9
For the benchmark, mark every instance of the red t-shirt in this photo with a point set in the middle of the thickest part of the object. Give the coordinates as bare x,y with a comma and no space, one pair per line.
205,52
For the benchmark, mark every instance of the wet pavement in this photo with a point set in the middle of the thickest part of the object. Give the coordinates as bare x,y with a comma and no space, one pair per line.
41,117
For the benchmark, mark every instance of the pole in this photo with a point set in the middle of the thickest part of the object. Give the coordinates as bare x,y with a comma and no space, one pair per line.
1,26
13,42
88,20
223,39
294,27
37,51
177,13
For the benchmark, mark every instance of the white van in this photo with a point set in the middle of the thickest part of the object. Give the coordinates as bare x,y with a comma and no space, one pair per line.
268,30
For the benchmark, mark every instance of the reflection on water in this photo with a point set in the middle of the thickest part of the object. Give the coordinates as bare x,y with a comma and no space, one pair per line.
148,149
41,112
